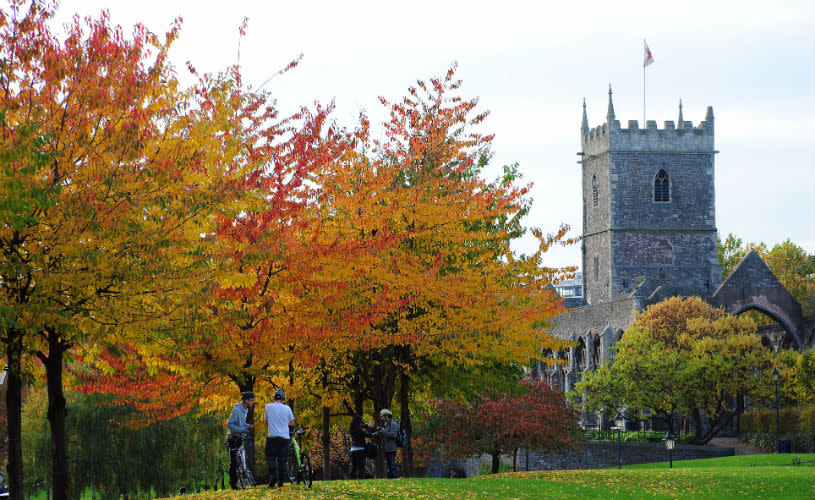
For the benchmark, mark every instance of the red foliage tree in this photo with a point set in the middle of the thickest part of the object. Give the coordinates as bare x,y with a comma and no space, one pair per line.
535,418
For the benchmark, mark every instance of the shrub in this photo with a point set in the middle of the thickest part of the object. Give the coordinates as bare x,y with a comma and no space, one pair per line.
800,441
791,420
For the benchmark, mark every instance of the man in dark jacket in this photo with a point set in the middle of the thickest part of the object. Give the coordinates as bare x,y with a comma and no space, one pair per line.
388,432
236,428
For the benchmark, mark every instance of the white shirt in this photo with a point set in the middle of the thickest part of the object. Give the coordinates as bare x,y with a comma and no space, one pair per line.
278,416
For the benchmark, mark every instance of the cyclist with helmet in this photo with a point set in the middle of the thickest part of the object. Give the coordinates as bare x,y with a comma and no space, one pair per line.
236,428
279,419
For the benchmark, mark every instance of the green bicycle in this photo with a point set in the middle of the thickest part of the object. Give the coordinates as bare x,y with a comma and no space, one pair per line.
298,463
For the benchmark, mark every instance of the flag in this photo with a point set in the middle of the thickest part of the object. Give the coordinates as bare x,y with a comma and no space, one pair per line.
649,59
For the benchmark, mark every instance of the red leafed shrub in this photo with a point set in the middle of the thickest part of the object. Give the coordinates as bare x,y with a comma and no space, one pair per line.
535,418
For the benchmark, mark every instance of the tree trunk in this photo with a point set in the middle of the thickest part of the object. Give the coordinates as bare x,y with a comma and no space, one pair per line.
404,403
60,480
379,462
326,443
515,460
14,423
526,459
383,391
496,461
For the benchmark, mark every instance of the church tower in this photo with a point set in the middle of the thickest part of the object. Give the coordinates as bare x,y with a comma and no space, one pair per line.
648,207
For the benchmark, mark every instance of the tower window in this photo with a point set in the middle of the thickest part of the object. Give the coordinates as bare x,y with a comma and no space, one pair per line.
596,269
595,192
662,187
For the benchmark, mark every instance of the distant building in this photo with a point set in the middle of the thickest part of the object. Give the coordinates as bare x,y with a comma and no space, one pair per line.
571,287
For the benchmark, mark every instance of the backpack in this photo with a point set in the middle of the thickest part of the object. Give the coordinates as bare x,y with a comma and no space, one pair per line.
401,436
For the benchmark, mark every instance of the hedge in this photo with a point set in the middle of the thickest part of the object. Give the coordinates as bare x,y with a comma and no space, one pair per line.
791,420
800,441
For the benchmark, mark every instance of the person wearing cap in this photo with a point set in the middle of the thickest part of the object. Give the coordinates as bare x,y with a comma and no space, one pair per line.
236,428
279,419
388,431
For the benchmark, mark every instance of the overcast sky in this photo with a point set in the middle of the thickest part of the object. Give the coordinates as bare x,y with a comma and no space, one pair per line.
531,64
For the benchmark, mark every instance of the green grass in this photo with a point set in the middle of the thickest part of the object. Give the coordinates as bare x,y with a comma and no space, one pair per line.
743,477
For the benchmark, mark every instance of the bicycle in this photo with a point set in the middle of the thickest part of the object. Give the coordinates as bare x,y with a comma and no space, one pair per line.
298,463
245,477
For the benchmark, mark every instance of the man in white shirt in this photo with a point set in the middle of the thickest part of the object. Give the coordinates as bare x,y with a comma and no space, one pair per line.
279,419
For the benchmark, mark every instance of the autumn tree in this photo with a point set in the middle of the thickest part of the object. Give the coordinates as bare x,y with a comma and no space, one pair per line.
796,381
536,417
682,355
462,297
113,175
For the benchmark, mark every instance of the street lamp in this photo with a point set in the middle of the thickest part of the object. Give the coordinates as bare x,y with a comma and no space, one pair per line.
777,418
670,441
619,421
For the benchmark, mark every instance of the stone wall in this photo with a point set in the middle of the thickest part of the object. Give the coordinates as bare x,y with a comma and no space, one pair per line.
599,454
591,455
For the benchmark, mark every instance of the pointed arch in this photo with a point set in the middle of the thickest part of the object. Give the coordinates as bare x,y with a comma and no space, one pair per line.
662,186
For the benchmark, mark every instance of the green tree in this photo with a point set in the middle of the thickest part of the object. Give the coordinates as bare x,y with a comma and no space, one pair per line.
796,380
682,355
111,457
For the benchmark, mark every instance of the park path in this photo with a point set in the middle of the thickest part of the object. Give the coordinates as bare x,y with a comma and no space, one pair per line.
738,447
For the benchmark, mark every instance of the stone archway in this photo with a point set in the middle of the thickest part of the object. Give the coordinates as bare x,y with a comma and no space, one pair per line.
752,286
781,335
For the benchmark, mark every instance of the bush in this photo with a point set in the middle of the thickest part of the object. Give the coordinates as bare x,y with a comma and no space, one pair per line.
791,420
800,441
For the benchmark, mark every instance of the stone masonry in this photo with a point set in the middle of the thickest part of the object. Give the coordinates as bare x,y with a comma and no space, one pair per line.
649,233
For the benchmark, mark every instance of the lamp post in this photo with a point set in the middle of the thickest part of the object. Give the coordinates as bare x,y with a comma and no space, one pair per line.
619,421
777,417
670,441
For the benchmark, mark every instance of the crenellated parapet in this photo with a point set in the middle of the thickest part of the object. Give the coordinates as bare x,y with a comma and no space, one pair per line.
674,136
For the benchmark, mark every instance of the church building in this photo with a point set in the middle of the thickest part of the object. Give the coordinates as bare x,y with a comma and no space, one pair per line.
649,233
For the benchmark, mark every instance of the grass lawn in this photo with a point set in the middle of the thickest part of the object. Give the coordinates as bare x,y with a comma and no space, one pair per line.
743,477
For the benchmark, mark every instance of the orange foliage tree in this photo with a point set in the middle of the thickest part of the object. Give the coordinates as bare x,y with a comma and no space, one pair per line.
113,175
459,296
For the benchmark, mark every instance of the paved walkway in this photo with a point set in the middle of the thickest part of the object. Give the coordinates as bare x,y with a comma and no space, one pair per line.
739,448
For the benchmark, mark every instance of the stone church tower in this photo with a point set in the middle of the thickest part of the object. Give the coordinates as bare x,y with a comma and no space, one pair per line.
649,233
648,206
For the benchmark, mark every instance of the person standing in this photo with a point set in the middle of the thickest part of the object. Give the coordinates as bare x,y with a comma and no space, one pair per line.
388,432
279,418
236,428
359,431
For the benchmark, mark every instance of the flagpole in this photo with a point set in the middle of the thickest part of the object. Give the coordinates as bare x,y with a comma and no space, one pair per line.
643,89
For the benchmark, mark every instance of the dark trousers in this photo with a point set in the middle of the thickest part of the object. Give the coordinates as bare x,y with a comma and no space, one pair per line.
390,458
357,463
233,444
277,448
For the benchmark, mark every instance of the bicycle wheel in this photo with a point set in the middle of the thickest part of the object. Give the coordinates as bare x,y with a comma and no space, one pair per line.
245,478
291,467
307,472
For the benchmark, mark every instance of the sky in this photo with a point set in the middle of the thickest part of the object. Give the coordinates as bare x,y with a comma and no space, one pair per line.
531,64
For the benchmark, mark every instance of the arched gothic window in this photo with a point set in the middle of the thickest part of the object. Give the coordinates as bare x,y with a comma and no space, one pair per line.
595,192
662,187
